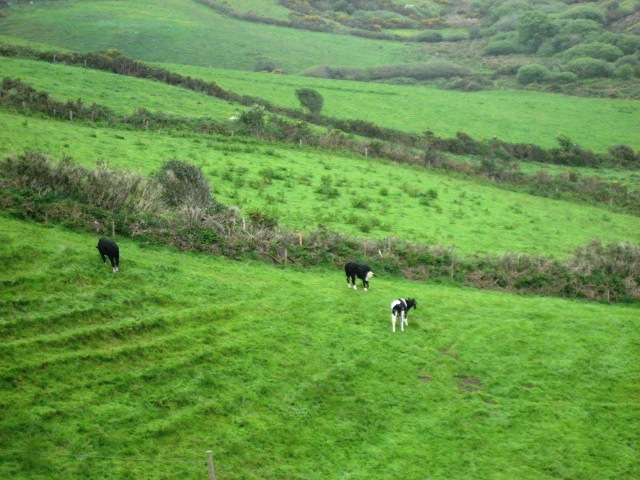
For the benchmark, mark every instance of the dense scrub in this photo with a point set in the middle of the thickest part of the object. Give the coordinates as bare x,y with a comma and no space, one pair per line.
102,201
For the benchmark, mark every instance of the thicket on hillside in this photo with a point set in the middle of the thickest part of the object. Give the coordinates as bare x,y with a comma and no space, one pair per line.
102,200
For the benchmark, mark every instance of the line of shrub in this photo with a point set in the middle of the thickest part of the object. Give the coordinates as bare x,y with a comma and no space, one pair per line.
496,157
162,208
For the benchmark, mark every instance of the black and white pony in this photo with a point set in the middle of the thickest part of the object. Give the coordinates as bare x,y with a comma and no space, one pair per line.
354,270
109,248
401,307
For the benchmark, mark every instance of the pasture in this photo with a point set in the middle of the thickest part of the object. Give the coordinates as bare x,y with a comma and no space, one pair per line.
186,32
287,373
120,93
302,188
593,123
504,114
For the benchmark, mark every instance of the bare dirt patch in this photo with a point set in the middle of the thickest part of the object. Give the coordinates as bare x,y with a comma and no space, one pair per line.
470,384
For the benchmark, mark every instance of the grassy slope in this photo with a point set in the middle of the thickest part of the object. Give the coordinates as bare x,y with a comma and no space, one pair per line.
463,215
121,94
181,353
185,32
283,180
593,123
288,373
503,114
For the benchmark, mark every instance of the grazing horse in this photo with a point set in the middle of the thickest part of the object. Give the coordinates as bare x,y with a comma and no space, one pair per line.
401,307
110,249
354,270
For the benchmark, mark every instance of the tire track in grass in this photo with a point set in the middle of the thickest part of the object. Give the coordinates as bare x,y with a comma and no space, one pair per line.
129,338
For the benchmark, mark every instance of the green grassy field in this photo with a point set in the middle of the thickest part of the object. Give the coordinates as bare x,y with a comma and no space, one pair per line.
303,188
287,373
186,32
503,114
120,93
283,372
593,123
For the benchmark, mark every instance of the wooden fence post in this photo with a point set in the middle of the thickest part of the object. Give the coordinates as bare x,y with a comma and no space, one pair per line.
210,469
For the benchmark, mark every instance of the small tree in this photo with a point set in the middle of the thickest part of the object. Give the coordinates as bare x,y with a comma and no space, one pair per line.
310,99
533,28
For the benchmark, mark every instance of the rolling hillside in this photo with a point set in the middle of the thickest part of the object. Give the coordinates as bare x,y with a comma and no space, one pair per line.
272,363
139,373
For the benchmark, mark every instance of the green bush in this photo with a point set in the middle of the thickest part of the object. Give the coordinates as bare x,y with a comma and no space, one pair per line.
632,60
581,26
624,154
602,51
585,11
624,72
534,28
629,44
184,184
310,99
532,73
429,36
563,77
421,71
589,68
263,219
613,271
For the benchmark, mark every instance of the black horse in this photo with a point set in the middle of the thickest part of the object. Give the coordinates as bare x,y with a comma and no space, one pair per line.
354,270
110,249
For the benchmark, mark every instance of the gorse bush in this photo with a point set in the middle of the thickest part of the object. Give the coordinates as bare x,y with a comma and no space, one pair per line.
502,47
584,11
